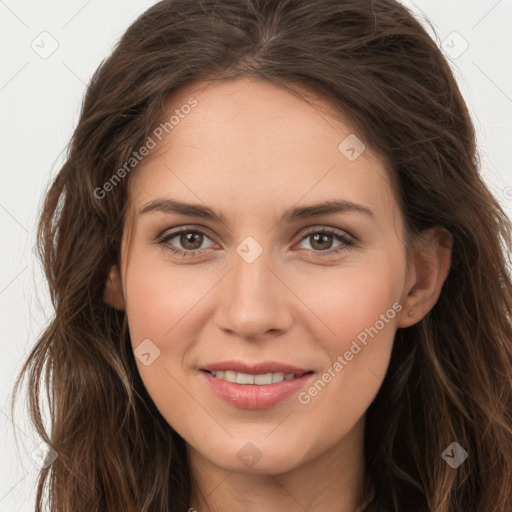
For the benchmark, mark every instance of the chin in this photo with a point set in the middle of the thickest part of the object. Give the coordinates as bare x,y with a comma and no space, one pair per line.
252,457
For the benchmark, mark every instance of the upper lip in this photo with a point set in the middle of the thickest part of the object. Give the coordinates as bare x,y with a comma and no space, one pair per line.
257,368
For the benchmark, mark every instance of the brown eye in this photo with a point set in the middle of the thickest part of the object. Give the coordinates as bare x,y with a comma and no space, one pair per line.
191,240
321,241
188,242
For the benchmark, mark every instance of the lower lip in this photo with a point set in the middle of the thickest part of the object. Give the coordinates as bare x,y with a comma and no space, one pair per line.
253,396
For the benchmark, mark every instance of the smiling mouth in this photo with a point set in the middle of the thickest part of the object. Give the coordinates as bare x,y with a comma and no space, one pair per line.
263,379
259,389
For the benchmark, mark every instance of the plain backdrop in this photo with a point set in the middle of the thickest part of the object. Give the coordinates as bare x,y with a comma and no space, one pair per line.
50,49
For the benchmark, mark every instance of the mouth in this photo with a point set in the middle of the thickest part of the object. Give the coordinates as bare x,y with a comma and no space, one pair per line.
261,379
254,385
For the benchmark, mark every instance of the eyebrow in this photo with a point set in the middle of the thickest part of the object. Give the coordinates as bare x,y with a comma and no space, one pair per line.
167,205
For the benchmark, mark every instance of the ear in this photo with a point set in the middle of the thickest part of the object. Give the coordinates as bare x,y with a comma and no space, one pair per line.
427,273
113,294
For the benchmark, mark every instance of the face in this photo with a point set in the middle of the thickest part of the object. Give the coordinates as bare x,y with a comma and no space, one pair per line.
255,280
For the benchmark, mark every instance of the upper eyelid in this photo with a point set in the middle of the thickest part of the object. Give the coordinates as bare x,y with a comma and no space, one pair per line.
172,232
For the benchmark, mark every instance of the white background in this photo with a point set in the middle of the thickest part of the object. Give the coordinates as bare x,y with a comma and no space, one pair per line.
40,100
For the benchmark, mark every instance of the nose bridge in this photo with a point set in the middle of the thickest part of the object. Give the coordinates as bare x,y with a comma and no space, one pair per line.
253,299
251,272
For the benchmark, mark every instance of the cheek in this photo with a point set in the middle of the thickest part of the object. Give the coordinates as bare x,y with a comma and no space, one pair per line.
359,320
351,301
159,301
161,306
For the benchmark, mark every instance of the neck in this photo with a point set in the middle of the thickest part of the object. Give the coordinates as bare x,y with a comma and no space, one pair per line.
333,481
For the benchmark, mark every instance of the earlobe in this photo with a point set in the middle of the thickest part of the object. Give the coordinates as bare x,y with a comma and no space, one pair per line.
429,271
113,294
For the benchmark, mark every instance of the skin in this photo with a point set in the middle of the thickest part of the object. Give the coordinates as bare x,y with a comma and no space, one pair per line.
252,150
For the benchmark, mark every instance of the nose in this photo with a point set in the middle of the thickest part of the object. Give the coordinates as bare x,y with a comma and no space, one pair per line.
253,300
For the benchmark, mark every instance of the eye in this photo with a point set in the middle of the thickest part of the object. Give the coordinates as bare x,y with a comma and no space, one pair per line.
190,239
322,239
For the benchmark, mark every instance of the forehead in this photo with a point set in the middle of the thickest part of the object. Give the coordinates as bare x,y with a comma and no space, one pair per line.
250,142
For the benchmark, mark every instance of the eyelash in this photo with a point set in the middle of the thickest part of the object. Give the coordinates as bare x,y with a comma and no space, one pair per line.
347,243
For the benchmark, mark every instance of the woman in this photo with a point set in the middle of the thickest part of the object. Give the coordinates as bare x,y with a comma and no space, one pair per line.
257,368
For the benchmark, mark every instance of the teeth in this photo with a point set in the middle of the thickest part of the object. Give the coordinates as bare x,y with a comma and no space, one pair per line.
245,378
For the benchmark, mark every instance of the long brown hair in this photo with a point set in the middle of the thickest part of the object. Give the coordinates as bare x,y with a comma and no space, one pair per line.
450,375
